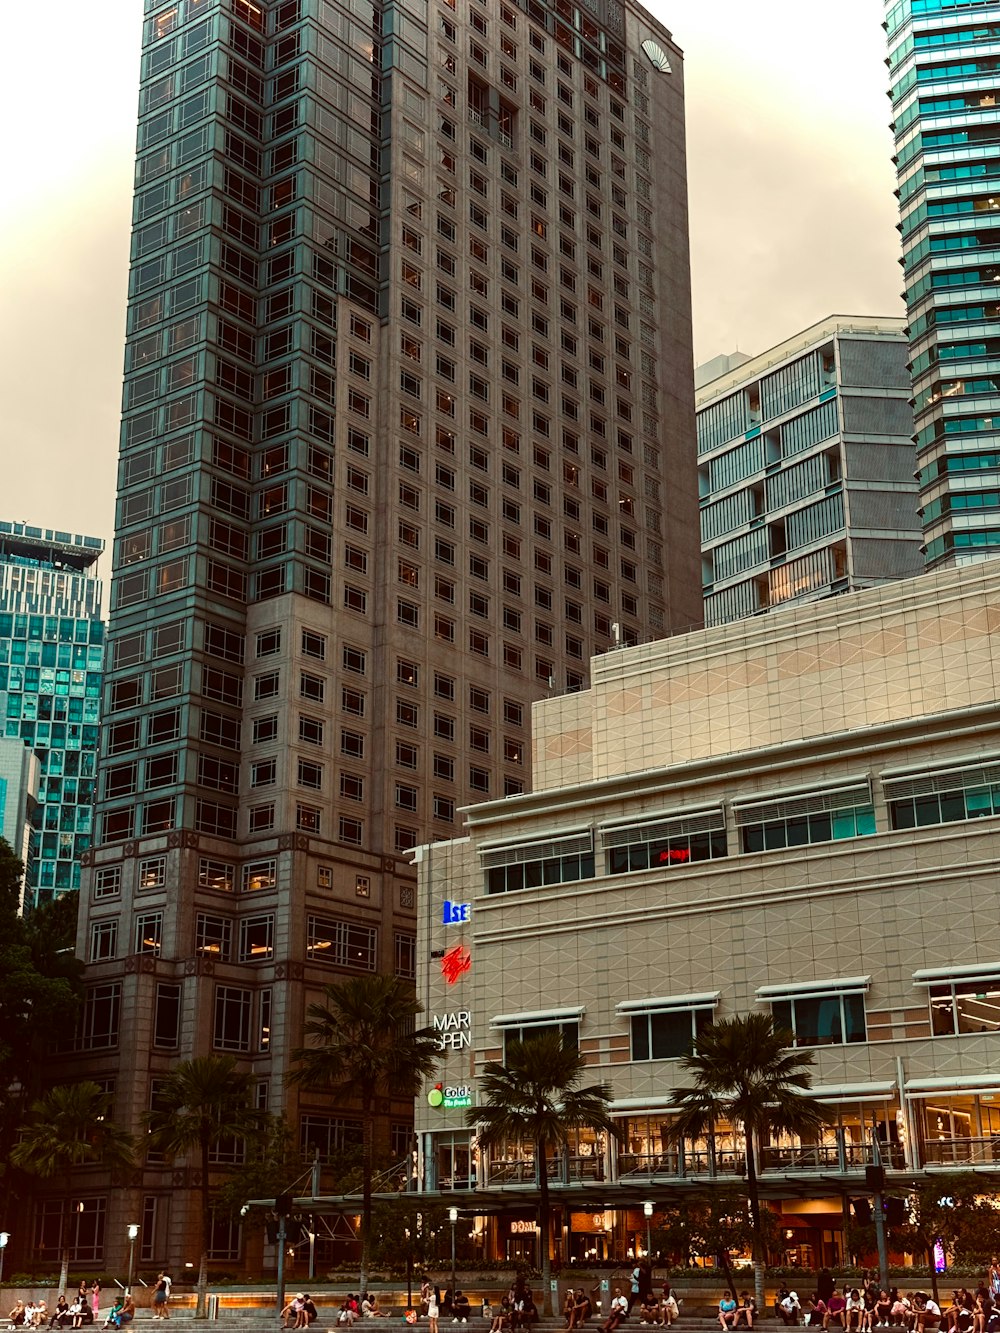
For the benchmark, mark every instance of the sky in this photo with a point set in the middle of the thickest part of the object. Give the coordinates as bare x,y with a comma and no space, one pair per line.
791,208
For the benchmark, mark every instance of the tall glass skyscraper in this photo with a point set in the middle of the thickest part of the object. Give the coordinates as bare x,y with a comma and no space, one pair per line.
944,61
408,436
51,658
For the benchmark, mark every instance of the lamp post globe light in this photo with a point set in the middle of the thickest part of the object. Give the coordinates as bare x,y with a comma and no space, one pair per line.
133,1233
453,1218
4,1239
647,1209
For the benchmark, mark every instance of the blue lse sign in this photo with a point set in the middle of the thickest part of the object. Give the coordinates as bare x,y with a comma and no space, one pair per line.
454,914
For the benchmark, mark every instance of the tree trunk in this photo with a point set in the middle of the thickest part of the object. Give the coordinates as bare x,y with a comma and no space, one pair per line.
367,1155
755,1227
727,1269
65,1239
544,1226
201,1299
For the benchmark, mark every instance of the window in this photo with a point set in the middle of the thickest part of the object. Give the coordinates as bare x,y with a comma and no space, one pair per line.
328,1136
103,940
259,875
570,1031
795,821
342,944
265,728
167,1017
405,951
558,860
108,882
219,875
213,937
921,799
152,872
663,1033
232,1019
314,645
256,939
828,1013
959,1005
101,1018
149,933
671,840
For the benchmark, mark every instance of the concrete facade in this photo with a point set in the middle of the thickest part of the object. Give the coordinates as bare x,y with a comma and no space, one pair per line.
799,812
408,427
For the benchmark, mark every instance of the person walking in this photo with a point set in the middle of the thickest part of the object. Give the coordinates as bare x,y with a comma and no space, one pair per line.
161,1295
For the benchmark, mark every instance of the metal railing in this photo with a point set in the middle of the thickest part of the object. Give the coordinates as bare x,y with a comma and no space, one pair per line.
963,1151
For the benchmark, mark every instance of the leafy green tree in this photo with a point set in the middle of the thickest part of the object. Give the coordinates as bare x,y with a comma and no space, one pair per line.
39,994
272,1165
406,1229
535,1097
67,1128
364,1044
746,1076
711,1224
952,1208
203,1104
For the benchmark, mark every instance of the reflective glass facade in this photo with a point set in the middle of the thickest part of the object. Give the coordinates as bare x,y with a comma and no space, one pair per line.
943,61
805,469
51,658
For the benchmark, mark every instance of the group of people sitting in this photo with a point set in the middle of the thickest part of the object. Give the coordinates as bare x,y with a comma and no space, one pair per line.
362,1306
870,1306
733,1312
653,1307
66,1314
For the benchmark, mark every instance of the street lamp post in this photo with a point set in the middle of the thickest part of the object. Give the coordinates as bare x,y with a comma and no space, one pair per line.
133,1233
4,1239
647,1209
453,1218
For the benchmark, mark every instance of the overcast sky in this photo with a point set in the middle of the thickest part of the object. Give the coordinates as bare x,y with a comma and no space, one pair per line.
792,212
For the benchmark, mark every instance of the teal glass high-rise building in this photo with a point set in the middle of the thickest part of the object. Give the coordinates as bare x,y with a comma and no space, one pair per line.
944,61
51,659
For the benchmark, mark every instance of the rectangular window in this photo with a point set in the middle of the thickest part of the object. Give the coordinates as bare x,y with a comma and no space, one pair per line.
668,1034
259,875
674,839
257,939
232,1019
152,872
103,940
796,821
922,799
329,1136
108,882
823,1014
558,860
342,944
213,937
167,1017
962,1006
149,933
405,951
219,875
101,1018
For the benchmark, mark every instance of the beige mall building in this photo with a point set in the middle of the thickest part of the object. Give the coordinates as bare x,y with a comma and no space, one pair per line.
796,814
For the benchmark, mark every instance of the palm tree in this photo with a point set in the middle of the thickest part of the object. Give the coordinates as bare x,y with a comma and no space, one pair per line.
202,1104
746,1075
535,1096
67,1128
365,1045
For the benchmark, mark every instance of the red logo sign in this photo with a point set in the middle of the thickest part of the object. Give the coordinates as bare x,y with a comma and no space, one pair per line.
455,962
